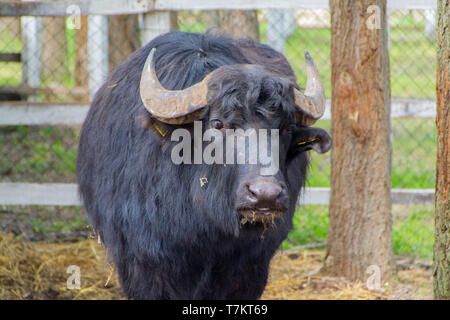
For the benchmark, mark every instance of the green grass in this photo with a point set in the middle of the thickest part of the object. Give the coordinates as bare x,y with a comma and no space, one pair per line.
310,226
45,223
412,58
49,154
10,72
191,23
36,154
414,233
412,55
412,61
43,226
413,230
413,159
39,154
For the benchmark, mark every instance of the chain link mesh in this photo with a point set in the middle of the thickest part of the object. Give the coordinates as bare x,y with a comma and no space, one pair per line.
58,63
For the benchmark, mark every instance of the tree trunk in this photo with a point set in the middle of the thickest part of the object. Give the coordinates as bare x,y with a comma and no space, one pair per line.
54,50
360,231
441,275
238,23
81,58
123,37
156,23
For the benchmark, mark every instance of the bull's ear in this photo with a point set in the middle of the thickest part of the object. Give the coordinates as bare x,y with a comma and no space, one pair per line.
312,138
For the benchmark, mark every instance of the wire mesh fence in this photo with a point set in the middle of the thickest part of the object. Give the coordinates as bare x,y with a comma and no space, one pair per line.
54,59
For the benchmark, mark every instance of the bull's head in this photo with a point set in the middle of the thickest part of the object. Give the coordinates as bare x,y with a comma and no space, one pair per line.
276,103
184,106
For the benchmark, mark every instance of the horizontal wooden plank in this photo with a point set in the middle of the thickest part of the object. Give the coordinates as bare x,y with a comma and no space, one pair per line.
68,8
238,4
412,196
279,4
61,194
411,4
20,113
314,196
10,57
413,108
321,196
53,91
106,7
65,194
402,108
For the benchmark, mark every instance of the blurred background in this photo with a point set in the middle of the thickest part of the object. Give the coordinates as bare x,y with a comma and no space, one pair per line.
64,60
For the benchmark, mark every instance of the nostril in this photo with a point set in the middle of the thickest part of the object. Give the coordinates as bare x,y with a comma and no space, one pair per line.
277,192
252,191
266,194
281,194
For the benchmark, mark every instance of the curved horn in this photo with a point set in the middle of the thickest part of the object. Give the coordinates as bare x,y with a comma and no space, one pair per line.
311,104
171,106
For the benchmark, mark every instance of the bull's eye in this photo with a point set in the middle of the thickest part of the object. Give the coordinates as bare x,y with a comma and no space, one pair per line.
287,128
217,124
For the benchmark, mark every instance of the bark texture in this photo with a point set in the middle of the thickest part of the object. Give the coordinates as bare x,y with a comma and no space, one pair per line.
123,38
441,275
360,232
54,50
238,23
81,59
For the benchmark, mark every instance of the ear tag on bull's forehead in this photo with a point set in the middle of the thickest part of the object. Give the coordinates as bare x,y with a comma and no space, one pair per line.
203,181
306,141
161,131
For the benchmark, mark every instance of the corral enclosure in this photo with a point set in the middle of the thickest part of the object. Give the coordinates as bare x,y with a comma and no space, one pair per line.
51,66
57,70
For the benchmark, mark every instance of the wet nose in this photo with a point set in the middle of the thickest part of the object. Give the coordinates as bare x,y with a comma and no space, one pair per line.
264,194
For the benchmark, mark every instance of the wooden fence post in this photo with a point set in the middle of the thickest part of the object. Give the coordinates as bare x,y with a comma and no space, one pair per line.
156,23
97,52
31,52
360,232
280,24
441,265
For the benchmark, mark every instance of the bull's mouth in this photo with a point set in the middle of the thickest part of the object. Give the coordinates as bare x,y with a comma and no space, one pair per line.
259,215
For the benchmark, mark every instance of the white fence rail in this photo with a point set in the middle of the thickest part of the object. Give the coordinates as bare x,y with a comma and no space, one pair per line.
107,7
65,194
57,194
20,113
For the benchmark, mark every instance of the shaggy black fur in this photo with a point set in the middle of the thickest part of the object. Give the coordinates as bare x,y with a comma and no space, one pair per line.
170,237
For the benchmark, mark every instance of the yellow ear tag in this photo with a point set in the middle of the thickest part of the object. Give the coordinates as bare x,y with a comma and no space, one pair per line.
161,132
306,141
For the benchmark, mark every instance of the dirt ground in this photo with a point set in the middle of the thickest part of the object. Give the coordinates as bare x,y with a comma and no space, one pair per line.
38,270
297,275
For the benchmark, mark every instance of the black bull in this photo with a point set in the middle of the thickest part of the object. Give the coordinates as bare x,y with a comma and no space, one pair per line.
171,234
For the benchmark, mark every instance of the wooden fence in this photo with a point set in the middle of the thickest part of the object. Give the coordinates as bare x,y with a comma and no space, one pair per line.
156,21
108,7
